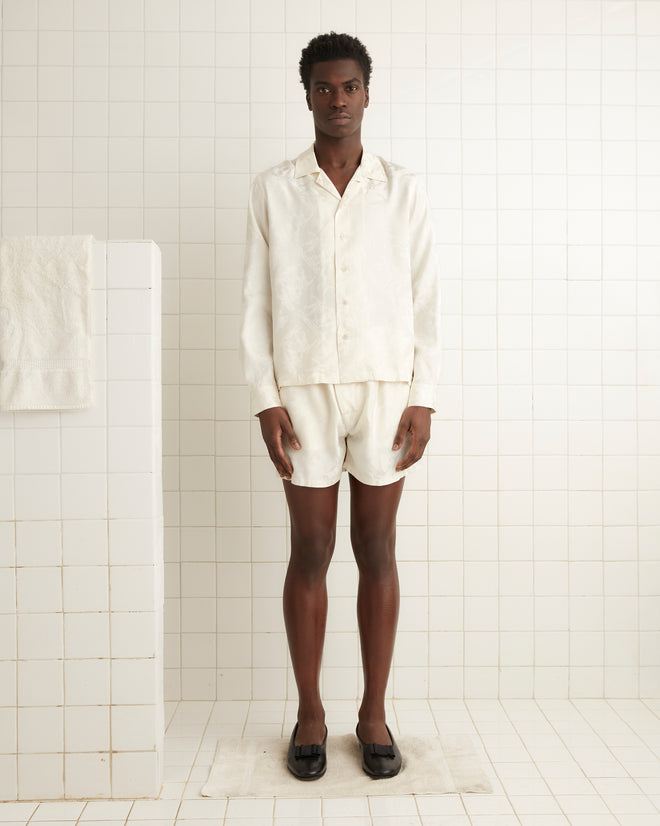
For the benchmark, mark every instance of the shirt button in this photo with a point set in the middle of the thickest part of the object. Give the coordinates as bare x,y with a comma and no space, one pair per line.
344,268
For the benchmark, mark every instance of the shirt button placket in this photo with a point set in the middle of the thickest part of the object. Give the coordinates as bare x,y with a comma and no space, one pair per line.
342,278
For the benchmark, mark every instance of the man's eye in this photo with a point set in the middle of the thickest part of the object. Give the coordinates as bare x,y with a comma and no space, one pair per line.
351,88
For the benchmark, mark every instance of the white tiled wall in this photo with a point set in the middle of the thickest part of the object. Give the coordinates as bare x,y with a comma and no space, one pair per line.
530,534
81,699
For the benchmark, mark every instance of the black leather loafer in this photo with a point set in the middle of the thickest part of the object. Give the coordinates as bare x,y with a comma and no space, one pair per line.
306,762
380,761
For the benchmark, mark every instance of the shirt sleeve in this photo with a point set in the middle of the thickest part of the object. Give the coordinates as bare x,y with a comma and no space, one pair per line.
427,361
256,339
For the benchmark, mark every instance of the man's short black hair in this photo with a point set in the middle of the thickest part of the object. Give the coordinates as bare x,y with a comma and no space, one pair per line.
333,46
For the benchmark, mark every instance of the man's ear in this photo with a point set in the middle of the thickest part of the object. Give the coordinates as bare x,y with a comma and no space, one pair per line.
309,102
366,97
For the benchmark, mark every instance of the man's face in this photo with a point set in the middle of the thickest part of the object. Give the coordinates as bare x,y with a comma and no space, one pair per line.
337,97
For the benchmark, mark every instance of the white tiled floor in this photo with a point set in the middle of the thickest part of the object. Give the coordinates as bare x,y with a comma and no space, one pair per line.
551,763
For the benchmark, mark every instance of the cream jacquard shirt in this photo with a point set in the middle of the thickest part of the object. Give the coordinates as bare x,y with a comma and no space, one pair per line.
339,288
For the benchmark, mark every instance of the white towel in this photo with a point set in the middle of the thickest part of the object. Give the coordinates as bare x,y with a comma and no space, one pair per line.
45,322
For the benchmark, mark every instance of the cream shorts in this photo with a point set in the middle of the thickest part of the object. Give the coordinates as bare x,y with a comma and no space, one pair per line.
346,427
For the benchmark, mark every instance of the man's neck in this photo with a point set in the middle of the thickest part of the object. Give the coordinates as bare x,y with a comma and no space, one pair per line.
338,154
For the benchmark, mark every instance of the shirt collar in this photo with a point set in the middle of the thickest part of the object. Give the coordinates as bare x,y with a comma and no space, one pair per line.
370,166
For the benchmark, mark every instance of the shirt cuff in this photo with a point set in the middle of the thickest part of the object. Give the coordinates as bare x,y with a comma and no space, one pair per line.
422,395
261,398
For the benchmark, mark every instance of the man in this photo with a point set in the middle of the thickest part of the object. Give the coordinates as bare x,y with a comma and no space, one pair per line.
340,345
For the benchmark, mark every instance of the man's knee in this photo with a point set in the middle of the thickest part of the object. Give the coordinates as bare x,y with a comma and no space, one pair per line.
374,549
311,551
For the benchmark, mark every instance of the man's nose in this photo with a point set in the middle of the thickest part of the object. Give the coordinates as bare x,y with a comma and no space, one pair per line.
338,98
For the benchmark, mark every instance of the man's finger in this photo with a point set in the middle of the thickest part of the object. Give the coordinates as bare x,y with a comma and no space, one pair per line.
409,459
293,439
280,459
400,433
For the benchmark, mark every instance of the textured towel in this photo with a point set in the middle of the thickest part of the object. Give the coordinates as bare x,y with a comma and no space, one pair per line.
245,767
45,326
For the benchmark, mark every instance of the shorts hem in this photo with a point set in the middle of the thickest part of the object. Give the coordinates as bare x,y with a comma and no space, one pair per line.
380,482
308,484
366,480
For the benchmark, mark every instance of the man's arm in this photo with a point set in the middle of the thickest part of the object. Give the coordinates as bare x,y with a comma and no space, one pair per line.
256,340
425,278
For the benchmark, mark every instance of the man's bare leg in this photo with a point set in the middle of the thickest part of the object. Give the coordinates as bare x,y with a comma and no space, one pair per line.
373,534
313,526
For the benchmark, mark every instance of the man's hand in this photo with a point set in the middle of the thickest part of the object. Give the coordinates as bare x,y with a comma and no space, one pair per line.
416,421
275,427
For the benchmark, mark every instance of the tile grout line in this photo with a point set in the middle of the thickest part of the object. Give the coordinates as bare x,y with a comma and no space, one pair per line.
111,761
558,735
496,347
640,678
603,425
545,713
459,795
251,447
569,611
462,356
214,464
199,747
429,647
179,563
567,477
572,703
60,429
654,749
498,702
